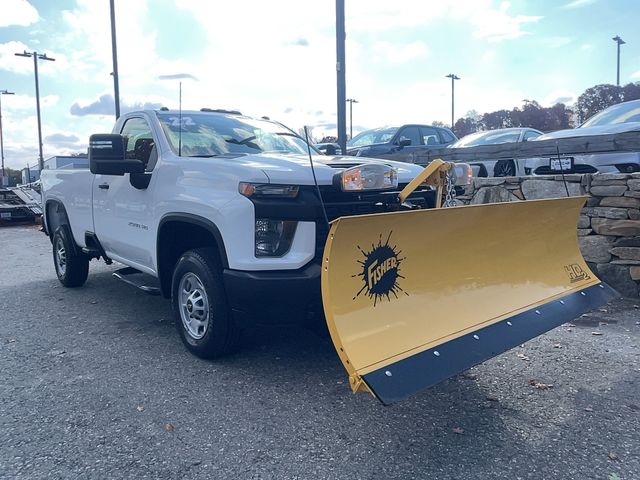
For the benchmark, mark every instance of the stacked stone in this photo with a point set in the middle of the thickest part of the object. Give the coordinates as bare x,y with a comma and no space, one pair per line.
608,228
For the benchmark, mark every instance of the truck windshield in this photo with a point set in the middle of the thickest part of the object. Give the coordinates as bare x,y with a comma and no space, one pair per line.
210,135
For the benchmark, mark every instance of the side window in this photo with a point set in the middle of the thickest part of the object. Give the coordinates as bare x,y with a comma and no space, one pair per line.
140,143
529,135
446,136
429,136
410,133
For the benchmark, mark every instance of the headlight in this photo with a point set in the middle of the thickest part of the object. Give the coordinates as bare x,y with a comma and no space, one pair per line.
274,237
367,177
463,174
267,190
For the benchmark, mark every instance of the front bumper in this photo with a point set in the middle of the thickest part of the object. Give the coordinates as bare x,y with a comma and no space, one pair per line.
615,162
274,297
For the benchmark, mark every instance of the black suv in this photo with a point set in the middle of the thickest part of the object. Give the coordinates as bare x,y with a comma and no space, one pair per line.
408,143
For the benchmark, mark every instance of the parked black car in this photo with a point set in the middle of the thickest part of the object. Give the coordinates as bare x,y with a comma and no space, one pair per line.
408,143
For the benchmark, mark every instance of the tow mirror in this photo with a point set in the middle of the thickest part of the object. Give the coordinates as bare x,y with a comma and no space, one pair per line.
107,156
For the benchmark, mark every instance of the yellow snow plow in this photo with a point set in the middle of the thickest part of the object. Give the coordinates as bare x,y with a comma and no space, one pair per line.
414,297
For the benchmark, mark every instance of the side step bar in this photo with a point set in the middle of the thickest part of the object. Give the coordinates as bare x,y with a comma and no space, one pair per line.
138,282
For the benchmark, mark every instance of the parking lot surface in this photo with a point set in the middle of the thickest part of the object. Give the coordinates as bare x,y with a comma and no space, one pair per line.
95,383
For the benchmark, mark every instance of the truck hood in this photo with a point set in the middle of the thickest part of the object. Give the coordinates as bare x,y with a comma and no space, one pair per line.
586,131
295,169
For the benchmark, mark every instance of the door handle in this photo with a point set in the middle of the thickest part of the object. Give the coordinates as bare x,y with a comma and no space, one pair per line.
104,186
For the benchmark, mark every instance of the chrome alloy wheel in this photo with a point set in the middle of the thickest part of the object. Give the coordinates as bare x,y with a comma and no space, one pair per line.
194,306
61,256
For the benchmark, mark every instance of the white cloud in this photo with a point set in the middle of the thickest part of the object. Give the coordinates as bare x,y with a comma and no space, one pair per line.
496,25
17,12
579,3
557,42
387,52
11,63
636,74
19,102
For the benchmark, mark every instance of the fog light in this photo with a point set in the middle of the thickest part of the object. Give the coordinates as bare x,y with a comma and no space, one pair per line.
273,238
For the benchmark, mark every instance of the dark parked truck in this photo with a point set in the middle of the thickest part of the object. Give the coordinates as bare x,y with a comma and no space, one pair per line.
234,220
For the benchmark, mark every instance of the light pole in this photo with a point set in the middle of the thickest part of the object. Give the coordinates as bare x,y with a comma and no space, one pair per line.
114,52
453,78
2,92
341,75
619,41
37,56
351,102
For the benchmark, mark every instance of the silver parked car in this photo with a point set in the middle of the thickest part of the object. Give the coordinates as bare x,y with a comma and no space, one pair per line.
623,117
497,168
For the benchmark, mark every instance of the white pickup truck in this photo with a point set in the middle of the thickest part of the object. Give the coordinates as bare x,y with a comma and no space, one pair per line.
220,208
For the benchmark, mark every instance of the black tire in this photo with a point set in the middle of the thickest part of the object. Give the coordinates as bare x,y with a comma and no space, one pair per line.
505,168
72,266
201,311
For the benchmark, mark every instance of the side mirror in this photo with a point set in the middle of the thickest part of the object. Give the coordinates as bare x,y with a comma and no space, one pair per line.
405,142
107,156
330,150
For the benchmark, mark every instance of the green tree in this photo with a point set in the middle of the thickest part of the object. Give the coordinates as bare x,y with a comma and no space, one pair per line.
596,99
464,126
497,119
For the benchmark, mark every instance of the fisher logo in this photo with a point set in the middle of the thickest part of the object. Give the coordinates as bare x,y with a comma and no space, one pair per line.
380,271
576,273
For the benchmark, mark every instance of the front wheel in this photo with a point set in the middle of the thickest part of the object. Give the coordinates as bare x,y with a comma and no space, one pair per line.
200,307
72,267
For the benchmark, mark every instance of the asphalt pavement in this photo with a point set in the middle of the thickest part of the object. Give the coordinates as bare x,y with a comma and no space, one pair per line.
95,383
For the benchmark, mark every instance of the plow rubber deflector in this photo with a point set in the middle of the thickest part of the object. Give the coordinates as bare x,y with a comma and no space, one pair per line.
412,298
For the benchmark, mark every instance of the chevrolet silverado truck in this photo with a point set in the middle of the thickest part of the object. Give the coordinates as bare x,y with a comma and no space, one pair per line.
224,214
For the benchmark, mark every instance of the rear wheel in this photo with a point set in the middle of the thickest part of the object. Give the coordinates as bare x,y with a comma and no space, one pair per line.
200,307
72,266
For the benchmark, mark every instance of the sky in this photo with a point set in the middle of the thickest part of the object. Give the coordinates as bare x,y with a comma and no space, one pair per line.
278,57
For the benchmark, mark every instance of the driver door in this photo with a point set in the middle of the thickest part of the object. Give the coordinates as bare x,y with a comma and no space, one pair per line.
123,212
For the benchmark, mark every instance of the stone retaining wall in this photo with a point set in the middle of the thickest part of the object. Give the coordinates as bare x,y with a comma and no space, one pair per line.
608,228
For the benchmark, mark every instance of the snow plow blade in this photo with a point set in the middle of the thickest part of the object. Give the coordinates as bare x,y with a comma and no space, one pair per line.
412,298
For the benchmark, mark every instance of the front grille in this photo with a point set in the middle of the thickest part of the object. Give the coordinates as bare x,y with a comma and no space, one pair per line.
339,204
577,168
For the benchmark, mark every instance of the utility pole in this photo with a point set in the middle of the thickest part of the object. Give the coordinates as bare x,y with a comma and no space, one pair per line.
114,52
37,56
2,92
619,41
351,102
453,78
341,76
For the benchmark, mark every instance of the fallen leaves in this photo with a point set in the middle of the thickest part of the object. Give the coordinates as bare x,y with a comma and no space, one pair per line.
613,456
522,356
169,427
596,333
457,430
140,408
540,385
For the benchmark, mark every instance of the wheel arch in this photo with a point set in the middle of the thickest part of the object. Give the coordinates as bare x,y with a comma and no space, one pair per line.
179,232
55,215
